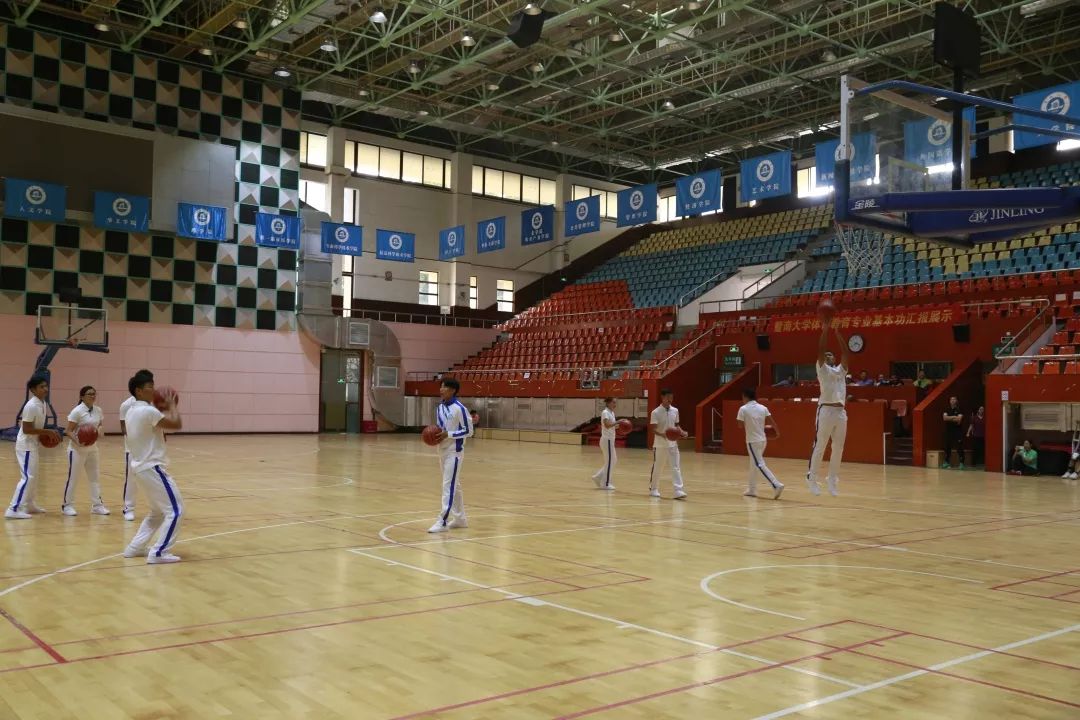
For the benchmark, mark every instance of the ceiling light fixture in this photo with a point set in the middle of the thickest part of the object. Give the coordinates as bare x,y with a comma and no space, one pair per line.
282,72
668,105
328,45
493,86
537,67
693,5
532,9
468,40
206,51
240,23
422,113
377,16
363,92
828,56
615,36
101,27
414,68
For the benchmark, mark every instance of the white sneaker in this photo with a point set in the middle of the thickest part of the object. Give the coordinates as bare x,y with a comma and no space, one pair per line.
130,552
680,495
129,515
16,515
462,523
162,559
654,493
815,489
832,483
36,509
438,528
609,487
750,493
777,491
1067,475
99,510
69,511
597,482
1073,476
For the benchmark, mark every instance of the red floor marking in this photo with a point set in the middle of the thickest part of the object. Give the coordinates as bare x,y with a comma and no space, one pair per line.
33,638
1037,579
1069,592
593,676
721,679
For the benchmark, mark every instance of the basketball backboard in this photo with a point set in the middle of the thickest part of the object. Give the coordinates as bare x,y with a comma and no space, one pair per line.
894,165
72,326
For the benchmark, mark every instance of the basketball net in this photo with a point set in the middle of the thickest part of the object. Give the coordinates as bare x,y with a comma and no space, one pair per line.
864,248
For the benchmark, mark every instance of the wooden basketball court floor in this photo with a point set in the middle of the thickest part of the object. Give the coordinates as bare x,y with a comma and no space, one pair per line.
310,589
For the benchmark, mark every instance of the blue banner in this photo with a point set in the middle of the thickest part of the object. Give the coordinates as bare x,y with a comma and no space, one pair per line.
452,242
280,231
929,142
581,216
341,239
637,205
863,150
538,225
117,211
202,222
395,245
699,193
35,200
765,176
1060,100
491,235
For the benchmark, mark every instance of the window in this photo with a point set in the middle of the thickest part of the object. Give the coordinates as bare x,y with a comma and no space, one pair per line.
435,172
350,155
314,194
504,295
547,192
389,163
429,287
665,209
493,182
609,201
474,296
346,294
530,189
367,159
506,185
412,168
511,186
312,149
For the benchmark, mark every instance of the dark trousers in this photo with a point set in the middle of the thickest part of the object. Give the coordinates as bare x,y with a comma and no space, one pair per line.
1019,466
954,441
978,450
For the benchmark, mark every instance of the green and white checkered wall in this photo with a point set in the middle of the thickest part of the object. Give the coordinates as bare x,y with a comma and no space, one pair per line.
157,277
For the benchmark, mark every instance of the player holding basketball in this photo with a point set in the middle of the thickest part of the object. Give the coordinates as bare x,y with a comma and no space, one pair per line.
31,429
146,426
129,484
602,477
751,418
455,424
831,420
83,458
665,450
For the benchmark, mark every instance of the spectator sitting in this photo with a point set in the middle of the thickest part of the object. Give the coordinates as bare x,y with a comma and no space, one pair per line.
922,382
882,381
789,381
864,380
895,381
1025,460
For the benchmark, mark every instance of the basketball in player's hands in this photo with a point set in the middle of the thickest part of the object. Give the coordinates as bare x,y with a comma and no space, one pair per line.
87,435
623,427
49,439
475,417
163,396
673,433
826,310
430,435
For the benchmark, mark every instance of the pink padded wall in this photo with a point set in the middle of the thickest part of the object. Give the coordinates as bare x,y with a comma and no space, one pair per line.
437,347
229,380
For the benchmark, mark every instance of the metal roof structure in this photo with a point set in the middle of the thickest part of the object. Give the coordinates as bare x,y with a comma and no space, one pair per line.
623,90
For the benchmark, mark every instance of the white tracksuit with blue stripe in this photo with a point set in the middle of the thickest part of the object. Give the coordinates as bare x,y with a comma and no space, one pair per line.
454,418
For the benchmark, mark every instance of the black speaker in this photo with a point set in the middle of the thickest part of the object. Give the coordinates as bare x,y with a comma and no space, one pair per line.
762,342
525,29
956,39
961,333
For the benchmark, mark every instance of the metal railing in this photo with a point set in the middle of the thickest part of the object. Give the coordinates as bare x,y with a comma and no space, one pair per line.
1043,319
771,277
568,317
711,282
423,318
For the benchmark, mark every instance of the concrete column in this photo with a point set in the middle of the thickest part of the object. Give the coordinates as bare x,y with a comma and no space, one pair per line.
461,214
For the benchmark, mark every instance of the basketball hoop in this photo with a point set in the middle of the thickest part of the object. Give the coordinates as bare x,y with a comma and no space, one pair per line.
73,343
864,248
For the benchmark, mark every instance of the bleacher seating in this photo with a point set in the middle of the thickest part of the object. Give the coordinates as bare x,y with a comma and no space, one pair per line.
1063,349
684,263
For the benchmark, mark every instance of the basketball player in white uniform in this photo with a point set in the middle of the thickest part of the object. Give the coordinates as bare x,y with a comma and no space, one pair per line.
602,477
83,458
27,445
831,421
665,451
129,482
456,425
751,418
146,426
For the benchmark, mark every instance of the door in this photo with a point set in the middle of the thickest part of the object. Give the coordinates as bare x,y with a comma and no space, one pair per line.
341,400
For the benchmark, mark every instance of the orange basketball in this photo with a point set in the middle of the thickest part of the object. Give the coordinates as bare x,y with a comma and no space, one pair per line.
430,435
162,395
475,417
623,427
673,433
50,441
826,310
87,435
